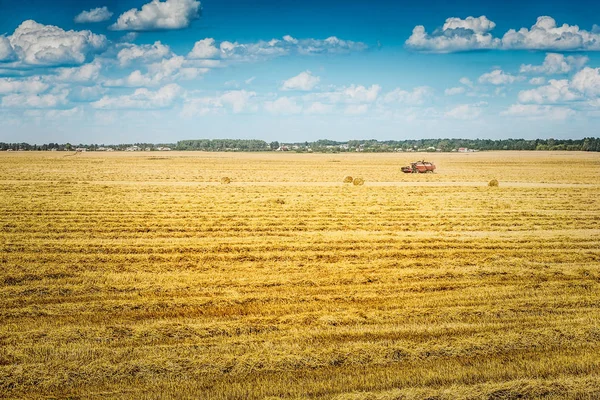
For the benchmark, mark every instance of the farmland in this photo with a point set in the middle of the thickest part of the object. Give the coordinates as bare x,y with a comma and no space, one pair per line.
140,275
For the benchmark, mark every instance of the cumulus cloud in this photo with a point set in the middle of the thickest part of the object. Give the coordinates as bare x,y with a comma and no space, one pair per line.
456,35
478,25
350,94
26,100
556,91
454,91
546,35
7,52
585,85
498,77
587,81
534,111
235,100
305,81
87,93
48,45
474,34
159,15
466,81
167,70
555,63
144,53
204,48
540,80
283,106
30,85
142,98
86,73
95,15
286,46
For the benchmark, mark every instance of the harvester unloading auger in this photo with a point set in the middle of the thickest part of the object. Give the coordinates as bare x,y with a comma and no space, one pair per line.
419,167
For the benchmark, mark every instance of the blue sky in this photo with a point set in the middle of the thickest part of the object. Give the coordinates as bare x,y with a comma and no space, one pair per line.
107,71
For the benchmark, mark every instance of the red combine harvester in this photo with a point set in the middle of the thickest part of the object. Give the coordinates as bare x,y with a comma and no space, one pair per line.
419,167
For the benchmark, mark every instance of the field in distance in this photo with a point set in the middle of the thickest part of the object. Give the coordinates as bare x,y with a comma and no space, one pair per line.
140,275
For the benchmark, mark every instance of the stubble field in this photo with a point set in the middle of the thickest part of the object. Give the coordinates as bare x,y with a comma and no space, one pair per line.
141,276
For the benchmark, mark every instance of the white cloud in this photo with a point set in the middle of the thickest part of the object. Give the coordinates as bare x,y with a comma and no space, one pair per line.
465,111
534,111
545,35
537,81
31,85
473,34
555,63
304,81
478,25
35,100
95,15
587,81
249,80
454,91
556,91
86,73
585,85
159,15
144,53
236,100
204,48
350,94
6,51
417,96
283,106
129,37
47,45
167,70
466,81
87,93
498,77
456,35
286,46
142,98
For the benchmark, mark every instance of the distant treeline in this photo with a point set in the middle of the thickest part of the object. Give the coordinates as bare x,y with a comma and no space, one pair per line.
445,145
223,145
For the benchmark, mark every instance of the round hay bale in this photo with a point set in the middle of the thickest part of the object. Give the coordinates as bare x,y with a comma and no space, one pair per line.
358,182
493,183
225,180
348,179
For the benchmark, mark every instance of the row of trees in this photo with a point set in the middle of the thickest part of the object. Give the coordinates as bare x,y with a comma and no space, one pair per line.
223,145
324,145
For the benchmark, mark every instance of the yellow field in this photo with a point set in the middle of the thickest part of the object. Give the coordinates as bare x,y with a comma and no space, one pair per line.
141,276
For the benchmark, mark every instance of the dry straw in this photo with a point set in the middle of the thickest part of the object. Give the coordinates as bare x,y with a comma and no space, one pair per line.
225,180
348,179
358,181
493,183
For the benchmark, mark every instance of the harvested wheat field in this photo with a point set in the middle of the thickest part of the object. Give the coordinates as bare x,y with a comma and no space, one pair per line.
141,275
